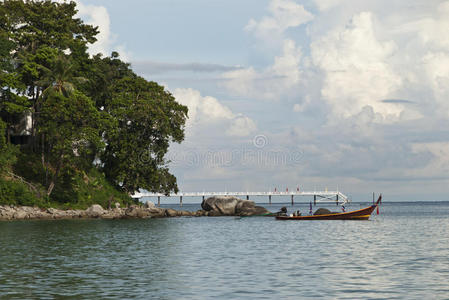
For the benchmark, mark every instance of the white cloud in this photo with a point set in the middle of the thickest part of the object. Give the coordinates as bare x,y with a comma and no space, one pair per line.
327,4
208,110
439,162
98,16
271,83
356,69
241,126
284,14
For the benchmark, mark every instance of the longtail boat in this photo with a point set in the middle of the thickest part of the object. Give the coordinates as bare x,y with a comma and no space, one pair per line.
361,214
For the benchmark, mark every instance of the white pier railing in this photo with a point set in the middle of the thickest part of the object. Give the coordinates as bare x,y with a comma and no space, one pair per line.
318,196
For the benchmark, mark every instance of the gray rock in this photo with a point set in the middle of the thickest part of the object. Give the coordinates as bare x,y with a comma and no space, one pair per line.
20,214
117,205
230,206
322,211
95,211
253,211
149,204
185,213
137,212
157,212
224,205
171,212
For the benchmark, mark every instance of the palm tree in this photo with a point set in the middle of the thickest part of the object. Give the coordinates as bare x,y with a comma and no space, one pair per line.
60,78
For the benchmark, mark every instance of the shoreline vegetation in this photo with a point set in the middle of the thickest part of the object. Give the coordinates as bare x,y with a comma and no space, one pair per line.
76,128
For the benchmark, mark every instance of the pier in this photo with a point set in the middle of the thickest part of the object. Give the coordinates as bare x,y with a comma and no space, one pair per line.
317,196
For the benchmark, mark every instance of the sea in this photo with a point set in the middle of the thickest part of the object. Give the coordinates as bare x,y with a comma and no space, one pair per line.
402,253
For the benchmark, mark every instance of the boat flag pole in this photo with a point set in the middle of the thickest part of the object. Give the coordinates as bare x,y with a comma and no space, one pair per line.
377,203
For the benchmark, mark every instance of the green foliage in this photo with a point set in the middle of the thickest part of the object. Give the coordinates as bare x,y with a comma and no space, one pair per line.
148,119
7,152
80,190
71,127
97,129
17,193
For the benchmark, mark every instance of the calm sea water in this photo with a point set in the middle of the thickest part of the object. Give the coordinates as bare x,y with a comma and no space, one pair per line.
403,253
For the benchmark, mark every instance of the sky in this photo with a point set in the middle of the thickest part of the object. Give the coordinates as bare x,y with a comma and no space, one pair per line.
338,94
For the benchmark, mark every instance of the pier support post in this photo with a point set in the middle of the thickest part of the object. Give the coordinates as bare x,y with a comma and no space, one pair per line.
158,200
293,203
180,201
269,199
247,197
314,200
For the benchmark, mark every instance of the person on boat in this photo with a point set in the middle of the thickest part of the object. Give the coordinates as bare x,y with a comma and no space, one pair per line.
298,212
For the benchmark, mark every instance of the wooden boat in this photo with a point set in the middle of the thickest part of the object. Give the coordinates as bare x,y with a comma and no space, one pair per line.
361,214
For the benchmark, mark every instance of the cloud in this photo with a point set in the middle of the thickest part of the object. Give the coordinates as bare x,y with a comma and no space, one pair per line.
356,71
271,83
401,101
241,126
106,41
154,67
285,14
324,5
439,162
205,111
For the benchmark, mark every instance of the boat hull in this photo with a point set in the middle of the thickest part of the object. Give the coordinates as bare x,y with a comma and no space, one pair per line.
361,214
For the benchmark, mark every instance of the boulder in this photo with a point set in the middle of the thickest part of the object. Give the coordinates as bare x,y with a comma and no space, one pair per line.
223,205
20,214
200,213
185,213
322,211
149,204
156,212
137,212
171,212
95,211
231,206
117,205
253,211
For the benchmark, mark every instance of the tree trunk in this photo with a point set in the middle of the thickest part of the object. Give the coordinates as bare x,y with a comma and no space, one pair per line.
55,176
50,187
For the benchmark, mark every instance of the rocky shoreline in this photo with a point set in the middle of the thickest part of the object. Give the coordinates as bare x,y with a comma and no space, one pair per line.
214,206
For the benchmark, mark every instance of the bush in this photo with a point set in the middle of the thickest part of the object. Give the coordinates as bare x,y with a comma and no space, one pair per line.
17,193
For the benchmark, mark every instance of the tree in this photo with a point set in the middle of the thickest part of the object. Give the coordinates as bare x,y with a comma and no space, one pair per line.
148,119
7,152
71,126
116,119
41,31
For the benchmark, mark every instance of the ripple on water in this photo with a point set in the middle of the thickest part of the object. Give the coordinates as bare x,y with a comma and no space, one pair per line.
398,255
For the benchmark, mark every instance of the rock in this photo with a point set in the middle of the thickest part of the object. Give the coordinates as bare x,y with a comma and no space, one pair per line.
171,212
322,211
149,204
20,214
231,206
200,213
95,211
253,211
224,205
157,212
185,213
117,205
136,212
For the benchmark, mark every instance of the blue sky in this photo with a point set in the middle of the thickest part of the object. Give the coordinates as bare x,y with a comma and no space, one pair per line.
283,93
